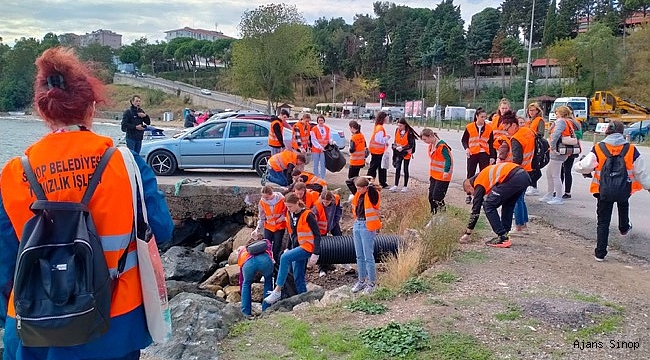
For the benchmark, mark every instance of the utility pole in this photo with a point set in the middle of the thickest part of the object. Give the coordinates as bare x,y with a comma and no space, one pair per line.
437,93
333,89
530,47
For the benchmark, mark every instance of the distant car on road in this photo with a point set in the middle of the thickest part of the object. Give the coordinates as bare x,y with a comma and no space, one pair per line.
206,92
239,113
337,135
638,132
232,143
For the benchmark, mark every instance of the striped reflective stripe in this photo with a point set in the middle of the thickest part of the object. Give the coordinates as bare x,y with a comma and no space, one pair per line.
528,158
357,155
438,166
305,237
131,262
115,242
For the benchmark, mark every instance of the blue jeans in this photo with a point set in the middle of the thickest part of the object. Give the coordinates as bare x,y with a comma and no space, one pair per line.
319,164
276,177
521,211
364,248
134,145
298,258
263,264
275,150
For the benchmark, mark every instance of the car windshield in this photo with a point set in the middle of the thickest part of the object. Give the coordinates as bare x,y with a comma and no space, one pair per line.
575,105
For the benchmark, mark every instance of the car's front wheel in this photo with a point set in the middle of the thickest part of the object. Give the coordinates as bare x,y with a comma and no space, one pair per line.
163,163
261,162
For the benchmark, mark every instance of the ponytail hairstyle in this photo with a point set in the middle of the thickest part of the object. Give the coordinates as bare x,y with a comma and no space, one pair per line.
381,118
65,91
355,125
408,127
300,186
478,112
292,198
267,189
361,181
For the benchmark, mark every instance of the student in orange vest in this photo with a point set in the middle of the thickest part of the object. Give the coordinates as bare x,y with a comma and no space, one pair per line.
639,178
565,175
65,94
271,221
312,181
522,150
250,265
307,196
478,142
281,165
276,137
321,136
536,123
331,204
378,143
304,247
496,186
497,126
403,148
301,141
365,210
441,167
560,128
358,150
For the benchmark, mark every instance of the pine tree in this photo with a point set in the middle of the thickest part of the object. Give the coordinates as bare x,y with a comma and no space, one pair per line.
550,25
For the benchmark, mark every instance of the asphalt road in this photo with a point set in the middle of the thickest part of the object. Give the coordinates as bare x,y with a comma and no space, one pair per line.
577,215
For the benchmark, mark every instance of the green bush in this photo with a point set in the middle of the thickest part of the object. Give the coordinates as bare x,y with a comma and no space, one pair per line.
415,285
396,339
367,307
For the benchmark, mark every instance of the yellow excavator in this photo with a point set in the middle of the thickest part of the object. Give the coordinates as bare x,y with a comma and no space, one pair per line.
605,106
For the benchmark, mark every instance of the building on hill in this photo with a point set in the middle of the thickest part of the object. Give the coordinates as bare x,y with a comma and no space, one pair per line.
70,39
198,34
632,22
102,37
546,68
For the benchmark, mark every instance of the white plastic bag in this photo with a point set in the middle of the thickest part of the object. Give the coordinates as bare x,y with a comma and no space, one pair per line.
385,159
152,276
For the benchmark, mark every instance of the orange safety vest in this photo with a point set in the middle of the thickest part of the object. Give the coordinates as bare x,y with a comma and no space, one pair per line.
494,174
371,211
375,147
526,138
566,132
497,128
310,198
479,143
437,163
280,161
358,157
63,164
244,256
274,214
305,235
594,188
273,140
304,135
319,211
501,139
535,124
313,179
322,140
403,141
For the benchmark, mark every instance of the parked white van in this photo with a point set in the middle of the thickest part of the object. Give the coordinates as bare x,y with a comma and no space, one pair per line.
579,104
455,112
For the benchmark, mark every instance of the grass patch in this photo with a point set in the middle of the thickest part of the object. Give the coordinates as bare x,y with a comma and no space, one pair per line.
587,298
239,328
367,307
447,277
395,339
604,325
403,266
472,256
513,312
453,346
415,285
383,294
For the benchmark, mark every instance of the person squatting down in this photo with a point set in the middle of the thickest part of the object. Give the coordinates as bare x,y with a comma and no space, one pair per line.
281,166
496,186
365,210
304,247
441,167
619,188
271,223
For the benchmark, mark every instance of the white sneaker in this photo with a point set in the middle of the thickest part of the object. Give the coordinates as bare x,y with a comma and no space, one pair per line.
531,191
322,273
598,259
358,286
405,189
369,289
273,297
546,198
555,201
393,188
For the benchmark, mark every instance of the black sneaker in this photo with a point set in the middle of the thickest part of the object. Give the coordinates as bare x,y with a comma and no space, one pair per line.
499,241
566,196
468,199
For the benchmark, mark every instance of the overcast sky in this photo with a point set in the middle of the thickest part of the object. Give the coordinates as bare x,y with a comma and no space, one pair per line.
134,19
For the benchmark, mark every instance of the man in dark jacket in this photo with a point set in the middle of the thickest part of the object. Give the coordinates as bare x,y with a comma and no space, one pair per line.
134,121
190,119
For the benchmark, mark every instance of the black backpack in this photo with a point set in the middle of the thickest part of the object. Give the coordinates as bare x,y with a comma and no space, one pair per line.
542,154
615,184
62,284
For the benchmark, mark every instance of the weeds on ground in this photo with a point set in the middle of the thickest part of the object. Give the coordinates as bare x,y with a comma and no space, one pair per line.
368,307
453,346
396,339
403,266
513,312
383,294
471,256
447,277
415,285
606,324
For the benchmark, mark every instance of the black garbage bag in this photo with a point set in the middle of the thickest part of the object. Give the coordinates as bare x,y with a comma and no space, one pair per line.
334,159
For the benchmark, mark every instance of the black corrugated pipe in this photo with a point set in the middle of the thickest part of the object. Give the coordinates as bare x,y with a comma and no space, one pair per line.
340,249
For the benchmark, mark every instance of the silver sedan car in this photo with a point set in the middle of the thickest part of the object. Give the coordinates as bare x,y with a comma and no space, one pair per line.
220,144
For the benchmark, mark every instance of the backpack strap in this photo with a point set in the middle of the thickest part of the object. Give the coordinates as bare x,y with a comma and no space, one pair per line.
605,150
31,177
97,175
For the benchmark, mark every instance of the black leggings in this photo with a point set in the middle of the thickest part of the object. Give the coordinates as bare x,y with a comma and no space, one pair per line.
375,166
353,171
567,165
437,192
480,159
398,170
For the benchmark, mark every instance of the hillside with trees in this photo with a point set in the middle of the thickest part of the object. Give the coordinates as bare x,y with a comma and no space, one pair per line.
396,49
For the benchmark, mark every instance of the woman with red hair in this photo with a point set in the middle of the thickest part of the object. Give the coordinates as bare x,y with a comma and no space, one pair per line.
65,94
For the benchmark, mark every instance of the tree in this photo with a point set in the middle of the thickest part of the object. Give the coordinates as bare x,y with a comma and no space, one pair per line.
599,56
481,33
637,68
550,25
16,83
275,48
564,52
397,66
131,55
50,40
